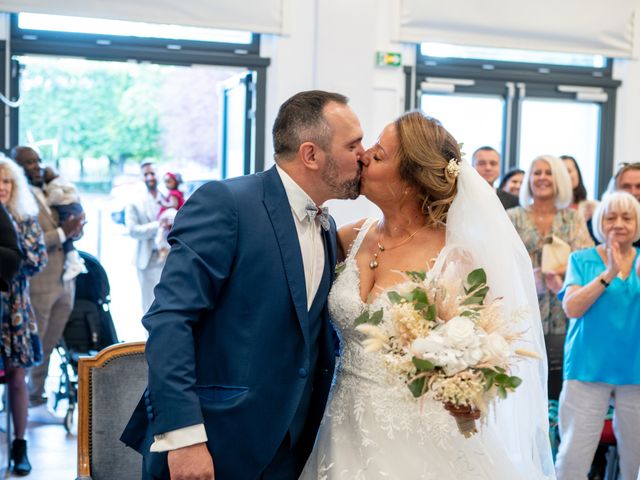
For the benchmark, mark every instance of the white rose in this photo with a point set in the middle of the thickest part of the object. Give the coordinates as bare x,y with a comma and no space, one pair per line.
460,332
496,346
452,361
429,345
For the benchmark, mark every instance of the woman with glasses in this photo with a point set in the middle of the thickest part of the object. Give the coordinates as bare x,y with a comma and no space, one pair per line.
601,296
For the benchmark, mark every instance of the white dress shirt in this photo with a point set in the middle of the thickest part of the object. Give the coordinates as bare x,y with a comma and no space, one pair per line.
313,258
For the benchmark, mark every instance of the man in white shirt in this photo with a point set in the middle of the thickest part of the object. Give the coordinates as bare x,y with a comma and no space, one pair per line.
141,220
240,348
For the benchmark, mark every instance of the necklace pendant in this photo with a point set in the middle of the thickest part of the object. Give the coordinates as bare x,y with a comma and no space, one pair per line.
373,264
380,247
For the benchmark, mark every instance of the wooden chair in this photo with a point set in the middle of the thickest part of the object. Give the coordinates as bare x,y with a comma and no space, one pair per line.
110,385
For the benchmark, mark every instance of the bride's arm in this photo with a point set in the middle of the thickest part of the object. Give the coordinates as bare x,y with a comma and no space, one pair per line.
346,236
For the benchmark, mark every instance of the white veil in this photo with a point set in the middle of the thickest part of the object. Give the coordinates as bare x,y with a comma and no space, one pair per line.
478,224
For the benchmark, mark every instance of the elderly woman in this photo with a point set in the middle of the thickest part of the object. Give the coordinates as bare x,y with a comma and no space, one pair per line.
20,347
601,295
544,197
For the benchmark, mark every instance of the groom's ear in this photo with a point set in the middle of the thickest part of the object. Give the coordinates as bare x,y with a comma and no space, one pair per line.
310,154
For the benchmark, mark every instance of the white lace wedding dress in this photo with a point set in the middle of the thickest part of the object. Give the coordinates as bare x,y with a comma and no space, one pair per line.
374,429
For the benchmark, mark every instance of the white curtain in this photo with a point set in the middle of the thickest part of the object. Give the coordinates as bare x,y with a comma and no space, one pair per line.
599,27
259,16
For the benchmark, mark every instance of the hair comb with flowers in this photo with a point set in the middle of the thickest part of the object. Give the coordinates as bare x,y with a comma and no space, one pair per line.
453,167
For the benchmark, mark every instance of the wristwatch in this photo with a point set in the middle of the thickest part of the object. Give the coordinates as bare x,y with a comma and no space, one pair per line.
603,281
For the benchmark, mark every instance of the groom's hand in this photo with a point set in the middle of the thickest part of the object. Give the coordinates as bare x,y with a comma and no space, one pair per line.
191,463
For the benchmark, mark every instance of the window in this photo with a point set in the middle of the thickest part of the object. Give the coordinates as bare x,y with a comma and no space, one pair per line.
96,103
511,100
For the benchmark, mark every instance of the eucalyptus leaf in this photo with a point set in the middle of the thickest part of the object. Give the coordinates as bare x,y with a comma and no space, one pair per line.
416,387
423,365
420,296
340,268
376,318
431,313
362,318
473,301
395,297
514,382
477,277
502,392
417,276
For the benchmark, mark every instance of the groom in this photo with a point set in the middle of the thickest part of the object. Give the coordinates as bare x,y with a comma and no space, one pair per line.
240,350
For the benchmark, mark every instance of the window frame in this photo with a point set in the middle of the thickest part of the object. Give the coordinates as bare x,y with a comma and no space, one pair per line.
540,80
153,50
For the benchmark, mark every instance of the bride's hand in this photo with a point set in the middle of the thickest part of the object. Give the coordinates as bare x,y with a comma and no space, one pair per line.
462,411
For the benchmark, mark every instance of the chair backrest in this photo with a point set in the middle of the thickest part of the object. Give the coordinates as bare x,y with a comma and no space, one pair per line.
110,385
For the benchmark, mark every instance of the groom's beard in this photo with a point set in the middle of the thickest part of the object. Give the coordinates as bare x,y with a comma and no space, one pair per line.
346,189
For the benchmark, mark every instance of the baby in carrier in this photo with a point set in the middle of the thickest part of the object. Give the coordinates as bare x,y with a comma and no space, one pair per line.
62,196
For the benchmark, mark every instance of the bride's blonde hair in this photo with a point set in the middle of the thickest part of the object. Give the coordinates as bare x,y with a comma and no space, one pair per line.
425,149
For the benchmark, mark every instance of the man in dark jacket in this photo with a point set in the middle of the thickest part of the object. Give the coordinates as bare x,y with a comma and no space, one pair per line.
486,161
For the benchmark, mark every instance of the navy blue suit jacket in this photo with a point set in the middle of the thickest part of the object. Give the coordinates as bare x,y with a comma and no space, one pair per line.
228,342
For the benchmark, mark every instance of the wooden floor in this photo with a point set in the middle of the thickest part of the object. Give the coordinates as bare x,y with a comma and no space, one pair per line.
52,452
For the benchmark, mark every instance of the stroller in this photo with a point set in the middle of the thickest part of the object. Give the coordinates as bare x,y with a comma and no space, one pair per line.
89,329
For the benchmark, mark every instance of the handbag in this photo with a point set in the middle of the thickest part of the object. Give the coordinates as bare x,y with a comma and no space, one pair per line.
555,255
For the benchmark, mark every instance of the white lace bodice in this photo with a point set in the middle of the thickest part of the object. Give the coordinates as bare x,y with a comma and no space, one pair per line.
362,377
373,428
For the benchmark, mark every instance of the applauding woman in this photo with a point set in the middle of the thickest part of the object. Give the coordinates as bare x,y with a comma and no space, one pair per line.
601,296
20,345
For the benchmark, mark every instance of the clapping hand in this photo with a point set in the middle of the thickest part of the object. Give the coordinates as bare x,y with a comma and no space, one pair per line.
614,257
553,281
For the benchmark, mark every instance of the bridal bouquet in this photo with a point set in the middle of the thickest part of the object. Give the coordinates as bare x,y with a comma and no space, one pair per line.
443,340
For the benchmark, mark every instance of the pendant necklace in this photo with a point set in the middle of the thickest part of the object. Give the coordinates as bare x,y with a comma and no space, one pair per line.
373,264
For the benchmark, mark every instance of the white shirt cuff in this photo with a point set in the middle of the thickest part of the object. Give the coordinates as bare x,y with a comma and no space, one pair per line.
180,438
61,235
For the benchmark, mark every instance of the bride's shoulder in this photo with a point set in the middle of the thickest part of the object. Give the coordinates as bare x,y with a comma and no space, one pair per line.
348,233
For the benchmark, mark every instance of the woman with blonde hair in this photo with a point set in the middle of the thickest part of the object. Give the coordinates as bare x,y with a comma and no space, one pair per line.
20,346
545,219
438,214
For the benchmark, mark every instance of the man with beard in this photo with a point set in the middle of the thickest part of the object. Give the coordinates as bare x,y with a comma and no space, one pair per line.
240,348
51,295
141,220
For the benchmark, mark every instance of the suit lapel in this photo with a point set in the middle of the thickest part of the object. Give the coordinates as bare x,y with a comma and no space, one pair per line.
277,205
45,211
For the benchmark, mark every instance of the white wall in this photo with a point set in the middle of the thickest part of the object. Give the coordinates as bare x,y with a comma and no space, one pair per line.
332,46
627,139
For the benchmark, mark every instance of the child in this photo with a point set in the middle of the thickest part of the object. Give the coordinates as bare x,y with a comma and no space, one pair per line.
169,206
63,196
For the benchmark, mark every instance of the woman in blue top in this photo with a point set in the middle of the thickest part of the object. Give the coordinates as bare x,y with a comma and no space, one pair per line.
601,296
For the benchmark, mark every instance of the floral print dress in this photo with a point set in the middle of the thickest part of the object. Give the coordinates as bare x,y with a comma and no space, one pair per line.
21,345
568,225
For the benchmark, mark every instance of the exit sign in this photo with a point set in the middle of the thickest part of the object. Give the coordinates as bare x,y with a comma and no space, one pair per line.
388,59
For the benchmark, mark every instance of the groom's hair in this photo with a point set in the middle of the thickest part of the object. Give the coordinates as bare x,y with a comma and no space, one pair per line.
301,119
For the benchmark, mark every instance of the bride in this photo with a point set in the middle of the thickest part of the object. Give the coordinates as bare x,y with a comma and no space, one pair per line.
439,214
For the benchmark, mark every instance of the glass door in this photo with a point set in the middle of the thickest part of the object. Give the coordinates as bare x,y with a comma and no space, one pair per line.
237,126
561,127
474,120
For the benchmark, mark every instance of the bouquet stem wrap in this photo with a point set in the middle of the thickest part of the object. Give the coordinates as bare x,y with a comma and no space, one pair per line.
466,426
